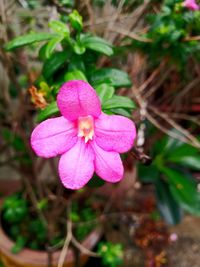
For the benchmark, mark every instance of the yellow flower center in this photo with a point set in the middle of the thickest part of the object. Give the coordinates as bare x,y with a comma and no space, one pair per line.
86,127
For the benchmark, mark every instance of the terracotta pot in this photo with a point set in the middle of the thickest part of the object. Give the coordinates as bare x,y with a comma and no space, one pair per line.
33,258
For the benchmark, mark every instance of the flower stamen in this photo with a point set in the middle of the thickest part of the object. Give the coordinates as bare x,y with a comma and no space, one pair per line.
86,127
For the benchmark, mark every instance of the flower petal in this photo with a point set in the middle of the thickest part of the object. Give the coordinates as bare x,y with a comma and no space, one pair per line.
114,133
53,137
76,166
78,99
108,165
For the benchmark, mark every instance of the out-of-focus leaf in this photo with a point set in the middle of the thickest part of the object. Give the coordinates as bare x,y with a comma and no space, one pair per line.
178,148
97,44
192,162
148,174
118,102
53,63
117,77
183,189
50,110
59,27
167,205
76,20
95,182
19,244
76,63
104,91
29,39
52,45
79,48
75,75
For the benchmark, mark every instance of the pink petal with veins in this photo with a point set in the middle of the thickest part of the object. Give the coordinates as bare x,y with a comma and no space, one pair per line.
108,165
76,166
53,137
78,99
114,133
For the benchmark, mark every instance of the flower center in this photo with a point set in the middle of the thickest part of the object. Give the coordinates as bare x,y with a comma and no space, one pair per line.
86,127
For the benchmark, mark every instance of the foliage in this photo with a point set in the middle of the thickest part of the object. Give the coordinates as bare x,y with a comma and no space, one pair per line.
75,60
170,172
111,253
66,52
169,34
27,230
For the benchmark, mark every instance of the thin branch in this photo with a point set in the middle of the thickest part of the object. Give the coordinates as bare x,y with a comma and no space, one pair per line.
193,140
66,244
151,77
132,35
158,83
83,249
185,117
189,87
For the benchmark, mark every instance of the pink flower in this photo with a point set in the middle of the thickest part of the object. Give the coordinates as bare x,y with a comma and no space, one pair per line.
191,4
87,139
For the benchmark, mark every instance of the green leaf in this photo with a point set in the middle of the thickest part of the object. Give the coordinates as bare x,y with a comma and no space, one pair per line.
122,111
183,189
59,27
95,182
76,20
19,245
79,48
117,77
52,45
104,91
97,44
148,174
14,209
50,110
75,63
75,75
42,204
53,63
29,39
111,254
192,162
118,102
177,148
167,205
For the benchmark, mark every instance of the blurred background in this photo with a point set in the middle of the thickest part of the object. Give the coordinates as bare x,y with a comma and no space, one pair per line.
142,58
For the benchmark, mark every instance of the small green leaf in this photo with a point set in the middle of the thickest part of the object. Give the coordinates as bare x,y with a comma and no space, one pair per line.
76,20
79,48
53,63
111,254
167,205
75,75
19,245
50,110
122,111
42,204
104,91
59,27
117,77
97,44
118,102
29,39
52,45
